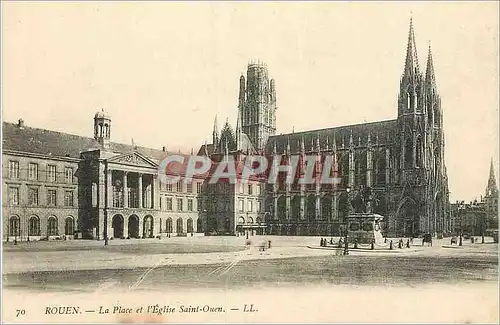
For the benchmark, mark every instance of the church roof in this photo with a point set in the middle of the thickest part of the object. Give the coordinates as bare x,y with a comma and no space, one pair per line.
59,144
382,130
205,149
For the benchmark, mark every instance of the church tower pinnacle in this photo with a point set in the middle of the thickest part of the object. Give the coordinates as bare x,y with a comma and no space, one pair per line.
492,189
411,63
411,87
257,102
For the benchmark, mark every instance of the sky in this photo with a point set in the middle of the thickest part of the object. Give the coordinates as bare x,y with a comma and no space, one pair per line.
163,70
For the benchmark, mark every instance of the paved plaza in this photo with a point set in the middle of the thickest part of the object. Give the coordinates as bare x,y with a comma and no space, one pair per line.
462,281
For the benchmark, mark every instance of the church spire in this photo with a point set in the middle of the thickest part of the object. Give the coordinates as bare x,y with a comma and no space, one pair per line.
430,78
215,133
411,63
492,183
238,130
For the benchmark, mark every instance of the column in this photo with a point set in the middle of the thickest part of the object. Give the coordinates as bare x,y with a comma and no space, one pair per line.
302,201
387,166
141,225
288,205
109,225
125,192
140,193
275,207
156,192
109,188
414,153
335,208
351,169
369,168
318,207
125,226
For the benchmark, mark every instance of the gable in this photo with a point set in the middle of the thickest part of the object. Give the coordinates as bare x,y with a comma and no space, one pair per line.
133,159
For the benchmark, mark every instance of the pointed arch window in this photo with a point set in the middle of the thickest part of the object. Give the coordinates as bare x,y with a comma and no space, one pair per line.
408,153
419,151
437,117
408,97
380,167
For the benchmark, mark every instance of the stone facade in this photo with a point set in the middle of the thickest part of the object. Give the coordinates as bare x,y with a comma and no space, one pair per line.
395,168
62,186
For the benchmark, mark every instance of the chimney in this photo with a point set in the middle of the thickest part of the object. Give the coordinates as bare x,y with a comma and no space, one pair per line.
20,123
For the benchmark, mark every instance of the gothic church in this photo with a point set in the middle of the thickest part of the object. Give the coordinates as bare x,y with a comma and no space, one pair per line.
395,168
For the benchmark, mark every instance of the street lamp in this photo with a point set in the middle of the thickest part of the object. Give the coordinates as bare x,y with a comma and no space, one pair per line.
460,209
483,219
16,229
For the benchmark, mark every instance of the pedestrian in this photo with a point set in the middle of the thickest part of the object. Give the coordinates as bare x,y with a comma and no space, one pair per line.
390,245
321,242
408,243
331,241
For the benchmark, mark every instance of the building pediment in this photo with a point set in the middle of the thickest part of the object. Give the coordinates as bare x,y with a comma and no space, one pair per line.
133,159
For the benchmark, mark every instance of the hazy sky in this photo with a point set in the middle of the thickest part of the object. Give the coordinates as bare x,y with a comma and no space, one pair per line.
163,70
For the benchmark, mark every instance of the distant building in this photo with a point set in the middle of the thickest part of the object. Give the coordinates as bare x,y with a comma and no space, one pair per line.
468,218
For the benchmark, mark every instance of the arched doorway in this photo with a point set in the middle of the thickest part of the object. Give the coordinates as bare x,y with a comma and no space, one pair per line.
133,226
407,215
148,226
180,228
199,225
190,225
52,226
14,226
34,226
69,226
117,224
168,226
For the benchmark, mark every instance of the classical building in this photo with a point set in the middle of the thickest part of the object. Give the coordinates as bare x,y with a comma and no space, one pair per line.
61,185
395,168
